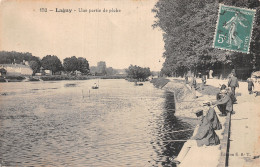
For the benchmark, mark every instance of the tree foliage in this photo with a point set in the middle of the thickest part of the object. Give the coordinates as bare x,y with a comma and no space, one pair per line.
48,62
72,64
16,57
52,63
35,66
136,72
188,30
83,65
108,71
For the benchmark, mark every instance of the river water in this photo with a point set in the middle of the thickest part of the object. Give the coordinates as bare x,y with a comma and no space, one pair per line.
66,123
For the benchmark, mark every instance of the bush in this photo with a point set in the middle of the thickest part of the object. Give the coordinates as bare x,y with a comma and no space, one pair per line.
15,77
2,80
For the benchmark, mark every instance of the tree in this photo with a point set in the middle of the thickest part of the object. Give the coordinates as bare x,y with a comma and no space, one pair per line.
16,57
110,71
188,31
70,64
35,66
83,65
136,72
3,71
52,63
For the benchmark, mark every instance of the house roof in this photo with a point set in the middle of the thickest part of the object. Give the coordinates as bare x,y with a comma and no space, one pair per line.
14,65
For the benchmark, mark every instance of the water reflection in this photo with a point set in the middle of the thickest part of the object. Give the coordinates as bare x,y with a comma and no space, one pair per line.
167,123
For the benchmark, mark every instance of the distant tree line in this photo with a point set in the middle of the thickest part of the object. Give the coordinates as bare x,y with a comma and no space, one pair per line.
48,62
102,69
139,73
16,57
188,31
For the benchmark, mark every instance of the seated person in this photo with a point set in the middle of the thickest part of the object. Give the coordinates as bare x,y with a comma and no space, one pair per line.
204,134
212,116
225,100
221,107
231,95
95,85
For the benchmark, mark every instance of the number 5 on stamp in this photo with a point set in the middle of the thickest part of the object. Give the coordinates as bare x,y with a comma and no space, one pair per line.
234,28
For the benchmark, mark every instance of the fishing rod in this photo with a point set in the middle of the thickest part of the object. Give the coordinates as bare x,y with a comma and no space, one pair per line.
182,130
168,141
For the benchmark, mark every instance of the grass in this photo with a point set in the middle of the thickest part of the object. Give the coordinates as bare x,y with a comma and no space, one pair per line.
208,90
159,82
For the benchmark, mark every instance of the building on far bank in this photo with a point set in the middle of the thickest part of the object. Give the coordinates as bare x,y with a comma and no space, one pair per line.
16,69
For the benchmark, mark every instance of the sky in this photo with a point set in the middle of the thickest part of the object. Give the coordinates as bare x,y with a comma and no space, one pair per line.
118,38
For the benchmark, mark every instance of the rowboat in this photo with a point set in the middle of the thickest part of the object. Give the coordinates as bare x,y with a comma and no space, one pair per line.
94,87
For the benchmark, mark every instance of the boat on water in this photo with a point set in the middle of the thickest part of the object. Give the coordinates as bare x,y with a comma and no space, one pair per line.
94,87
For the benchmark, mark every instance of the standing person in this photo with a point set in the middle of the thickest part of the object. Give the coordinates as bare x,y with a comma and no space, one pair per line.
225,100
194,86
233,71
194,83
186,79
233,83
203,81
210,74
250,85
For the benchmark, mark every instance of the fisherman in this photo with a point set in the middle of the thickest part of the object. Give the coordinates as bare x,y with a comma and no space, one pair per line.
229,92
204,134
221,107
212,116
226,101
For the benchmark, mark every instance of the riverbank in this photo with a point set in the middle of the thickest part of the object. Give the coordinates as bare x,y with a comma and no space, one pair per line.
186,103
12,79
56,78
244,142
159,82
240,142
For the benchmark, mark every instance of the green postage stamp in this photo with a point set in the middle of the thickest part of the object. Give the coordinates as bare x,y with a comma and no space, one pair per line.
234,28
